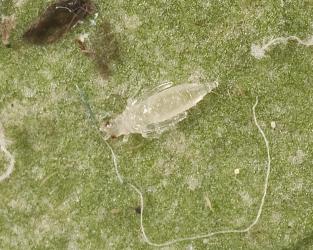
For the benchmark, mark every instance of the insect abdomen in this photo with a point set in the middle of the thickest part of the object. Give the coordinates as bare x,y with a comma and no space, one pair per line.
170,103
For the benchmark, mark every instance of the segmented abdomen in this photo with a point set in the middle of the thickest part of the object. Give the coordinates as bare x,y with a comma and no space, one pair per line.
165,105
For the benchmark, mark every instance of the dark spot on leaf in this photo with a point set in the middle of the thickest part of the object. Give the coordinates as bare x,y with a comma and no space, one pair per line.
106,49
57,20
138,210
103,48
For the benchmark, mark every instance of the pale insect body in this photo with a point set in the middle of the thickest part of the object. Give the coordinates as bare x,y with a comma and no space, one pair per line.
157,110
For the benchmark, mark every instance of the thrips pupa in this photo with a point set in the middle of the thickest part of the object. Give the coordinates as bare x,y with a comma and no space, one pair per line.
157,110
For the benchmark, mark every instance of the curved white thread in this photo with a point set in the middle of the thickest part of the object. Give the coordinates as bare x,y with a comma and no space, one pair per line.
119,176
207,235
8,155
94,123
258,51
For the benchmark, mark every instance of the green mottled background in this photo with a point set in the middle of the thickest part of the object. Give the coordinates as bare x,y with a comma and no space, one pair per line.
63,193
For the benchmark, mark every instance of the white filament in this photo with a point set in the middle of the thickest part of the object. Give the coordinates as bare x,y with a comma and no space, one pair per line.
9,157
258,51
210,234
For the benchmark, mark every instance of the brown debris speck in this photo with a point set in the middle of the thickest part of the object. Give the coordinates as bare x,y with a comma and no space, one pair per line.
138,210
7,24
84,47
115,211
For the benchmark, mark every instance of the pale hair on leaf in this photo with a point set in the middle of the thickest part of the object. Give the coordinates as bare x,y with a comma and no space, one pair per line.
259,50
9,157
209,234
